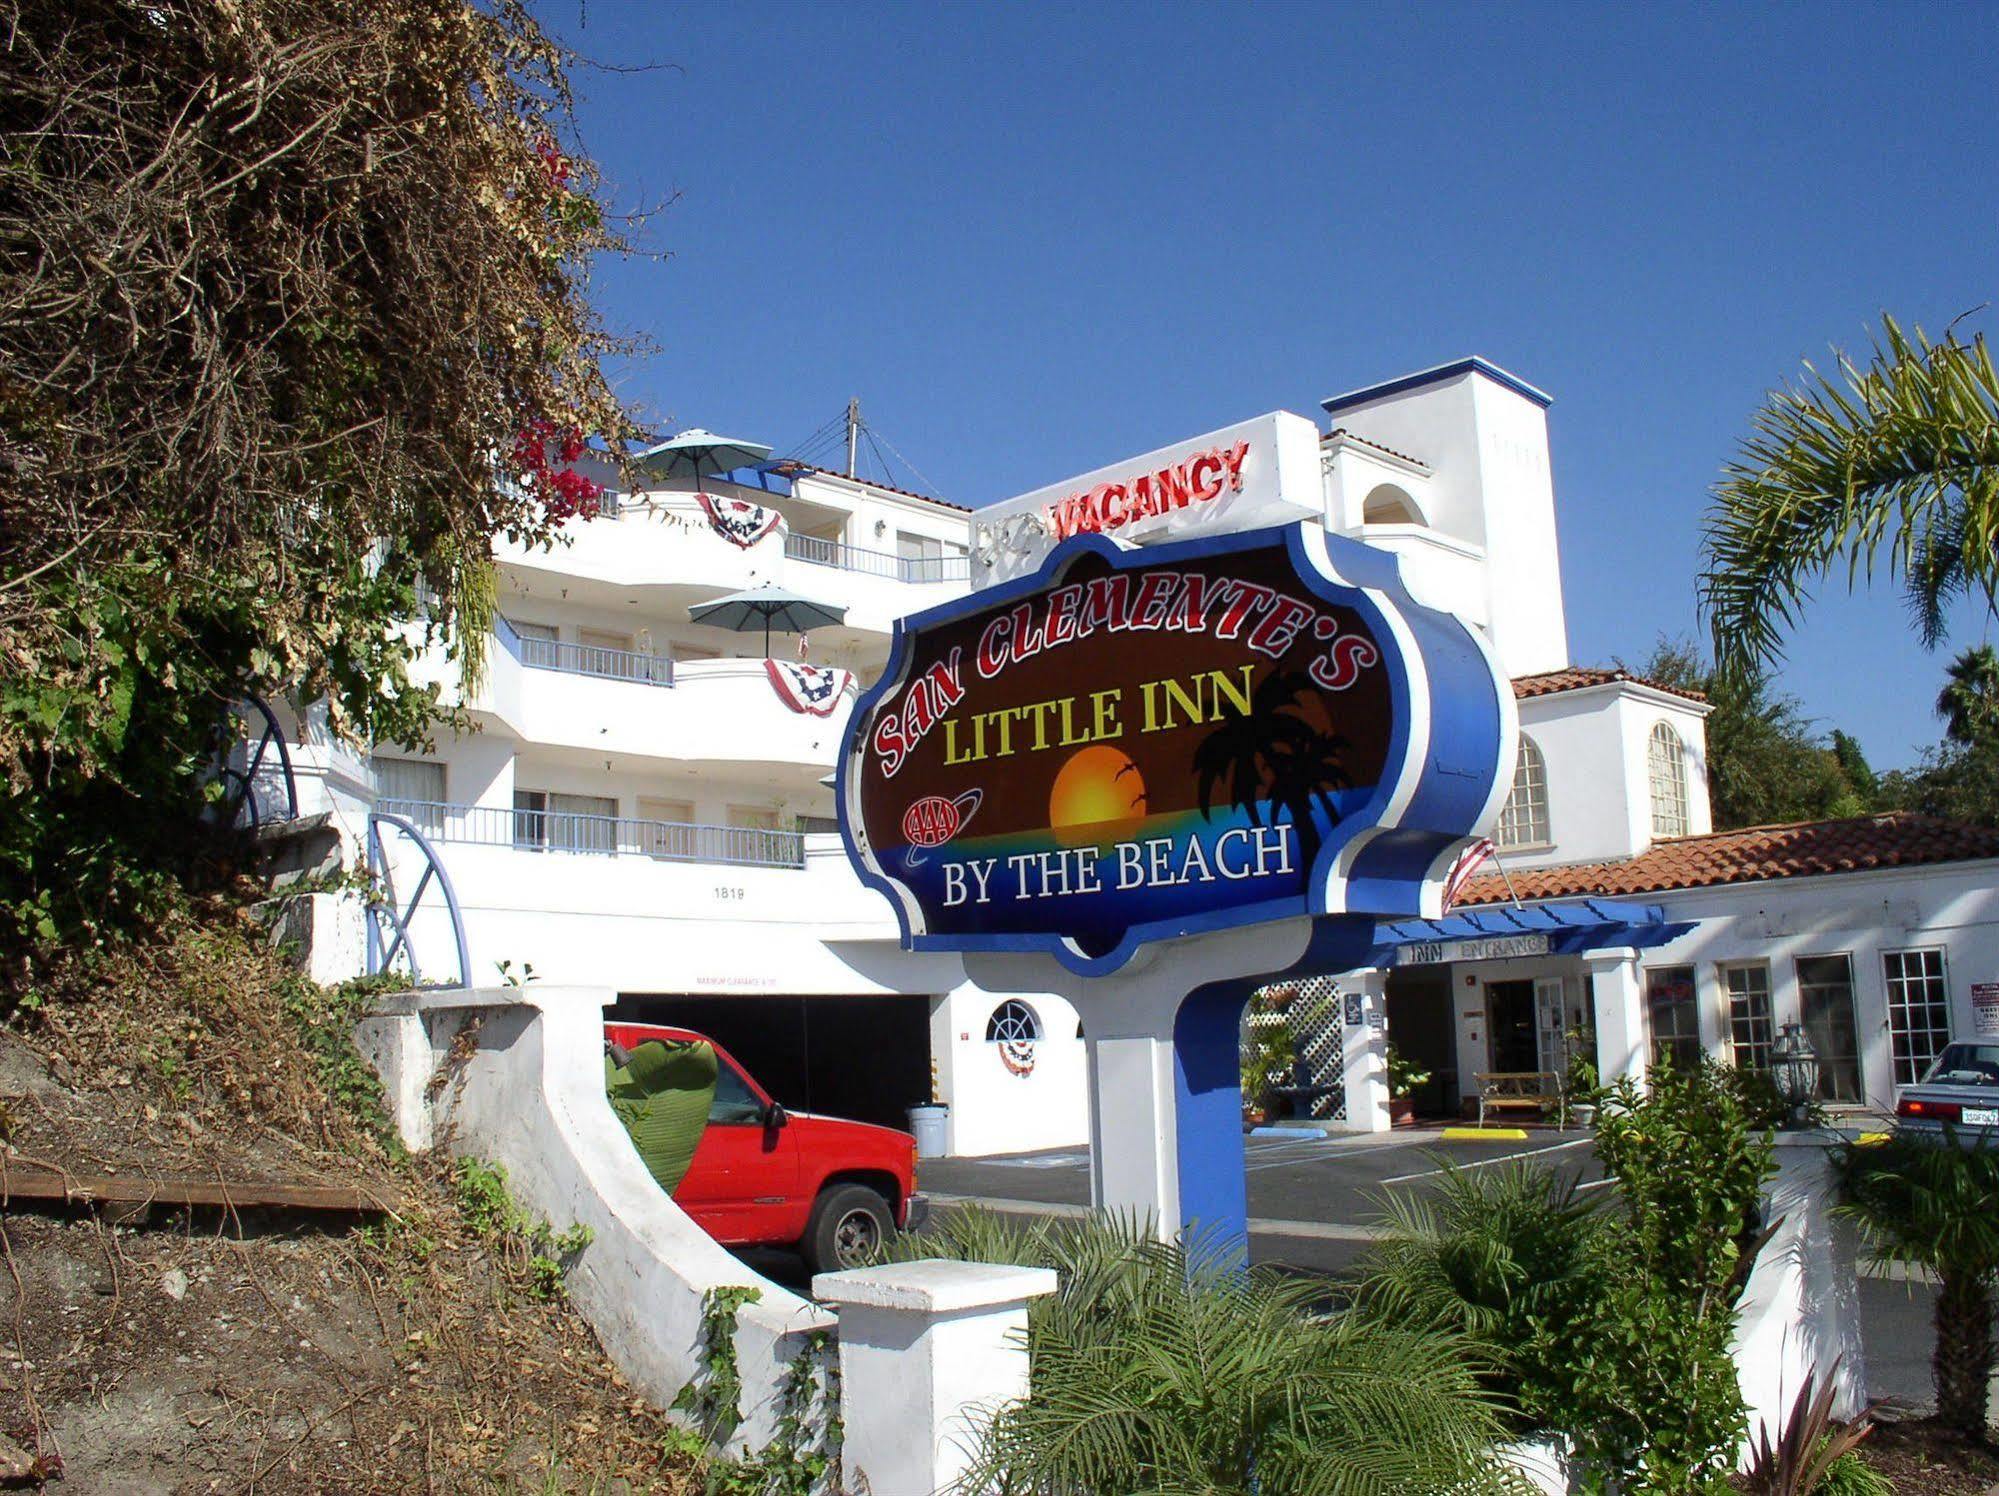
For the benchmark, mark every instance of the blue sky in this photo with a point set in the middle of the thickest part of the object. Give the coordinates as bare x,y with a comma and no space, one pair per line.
1036,239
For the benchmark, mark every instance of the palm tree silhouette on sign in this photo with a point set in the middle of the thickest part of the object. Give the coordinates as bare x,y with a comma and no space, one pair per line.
1274,758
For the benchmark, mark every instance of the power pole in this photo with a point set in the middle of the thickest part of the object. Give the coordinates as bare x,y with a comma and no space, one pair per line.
853,432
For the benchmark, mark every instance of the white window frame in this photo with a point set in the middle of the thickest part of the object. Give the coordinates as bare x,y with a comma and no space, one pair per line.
1853,1014
1523,819
1666,770
1909,1070
1013,1021
1737,1020
1691,1010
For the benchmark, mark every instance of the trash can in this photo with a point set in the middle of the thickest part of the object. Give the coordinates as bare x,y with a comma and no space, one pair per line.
927,1122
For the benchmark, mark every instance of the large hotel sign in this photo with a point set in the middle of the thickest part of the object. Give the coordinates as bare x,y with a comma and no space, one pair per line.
1126,745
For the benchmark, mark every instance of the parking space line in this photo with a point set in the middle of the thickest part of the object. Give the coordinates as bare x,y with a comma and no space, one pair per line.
1258,1225
1482,1163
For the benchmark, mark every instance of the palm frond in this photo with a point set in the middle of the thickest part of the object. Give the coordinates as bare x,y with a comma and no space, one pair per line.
1895,463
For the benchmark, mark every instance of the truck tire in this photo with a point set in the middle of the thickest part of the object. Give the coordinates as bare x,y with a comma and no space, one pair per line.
850,1222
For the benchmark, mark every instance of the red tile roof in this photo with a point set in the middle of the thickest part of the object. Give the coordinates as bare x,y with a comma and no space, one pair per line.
1361,441
1577,677
1753,854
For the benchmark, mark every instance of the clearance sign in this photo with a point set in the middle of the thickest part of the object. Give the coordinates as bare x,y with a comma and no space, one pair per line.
1129,745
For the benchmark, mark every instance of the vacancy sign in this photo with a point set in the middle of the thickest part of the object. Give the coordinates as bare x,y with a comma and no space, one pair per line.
1252,475
1128,745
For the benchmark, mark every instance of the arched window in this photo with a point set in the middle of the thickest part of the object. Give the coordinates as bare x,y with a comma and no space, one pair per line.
1523,820
1666,762
1013,1022
1386,504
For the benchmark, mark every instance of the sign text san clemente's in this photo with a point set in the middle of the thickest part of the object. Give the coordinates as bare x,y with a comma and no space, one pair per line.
1266,620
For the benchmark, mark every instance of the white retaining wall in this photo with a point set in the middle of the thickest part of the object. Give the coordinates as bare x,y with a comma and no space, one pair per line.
528,1093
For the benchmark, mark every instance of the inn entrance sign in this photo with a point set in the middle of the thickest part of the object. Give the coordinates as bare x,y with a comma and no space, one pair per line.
1155,779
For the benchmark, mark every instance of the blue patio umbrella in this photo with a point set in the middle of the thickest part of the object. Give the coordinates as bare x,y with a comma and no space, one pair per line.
696,454
769,606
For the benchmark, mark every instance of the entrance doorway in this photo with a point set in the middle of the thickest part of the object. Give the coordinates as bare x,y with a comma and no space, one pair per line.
1420,1027
1509,1021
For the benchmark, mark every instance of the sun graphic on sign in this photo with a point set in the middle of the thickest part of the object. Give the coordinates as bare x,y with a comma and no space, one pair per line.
1099,796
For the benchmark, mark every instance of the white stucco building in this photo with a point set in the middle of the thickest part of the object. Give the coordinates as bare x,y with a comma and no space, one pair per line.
644,804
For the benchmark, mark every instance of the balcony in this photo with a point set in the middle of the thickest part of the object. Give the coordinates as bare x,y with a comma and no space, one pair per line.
914,569
585,659
599,836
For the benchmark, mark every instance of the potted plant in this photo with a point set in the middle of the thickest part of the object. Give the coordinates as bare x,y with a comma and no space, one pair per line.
1404,1078
1580,1087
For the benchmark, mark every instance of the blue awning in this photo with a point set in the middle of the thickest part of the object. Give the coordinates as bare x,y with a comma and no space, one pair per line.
1563,929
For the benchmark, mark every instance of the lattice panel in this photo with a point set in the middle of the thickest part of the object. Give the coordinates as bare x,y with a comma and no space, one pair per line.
1312,1010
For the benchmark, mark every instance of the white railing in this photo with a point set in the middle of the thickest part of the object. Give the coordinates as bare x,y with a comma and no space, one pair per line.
604,836
584,659
818,552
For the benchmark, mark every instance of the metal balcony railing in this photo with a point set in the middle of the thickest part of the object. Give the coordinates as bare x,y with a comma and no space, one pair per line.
584,659
876,563
604,836
591,659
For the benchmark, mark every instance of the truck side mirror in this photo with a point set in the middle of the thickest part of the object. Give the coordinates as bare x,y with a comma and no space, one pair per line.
774,1117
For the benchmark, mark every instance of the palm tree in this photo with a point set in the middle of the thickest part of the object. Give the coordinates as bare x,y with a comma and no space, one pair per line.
1936,1206
1969,702
1274,756
1898,461
1156,1369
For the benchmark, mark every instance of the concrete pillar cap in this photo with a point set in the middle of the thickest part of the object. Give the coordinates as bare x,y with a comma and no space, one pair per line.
933,1286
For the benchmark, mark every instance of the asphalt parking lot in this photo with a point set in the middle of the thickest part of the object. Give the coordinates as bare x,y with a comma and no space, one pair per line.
1315,1203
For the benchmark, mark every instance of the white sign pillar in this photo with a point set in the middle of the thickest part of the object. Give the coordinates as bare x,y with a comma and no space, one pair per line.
1165,1092
1364,1050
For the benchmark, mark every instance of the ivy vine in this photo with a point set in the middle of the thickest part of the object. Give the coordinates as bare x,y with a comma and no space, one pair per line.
803,1455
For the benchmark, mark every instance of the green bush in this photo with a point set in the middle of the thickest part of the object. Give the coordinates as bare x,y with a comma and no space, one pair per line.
1608,1322
1155,1370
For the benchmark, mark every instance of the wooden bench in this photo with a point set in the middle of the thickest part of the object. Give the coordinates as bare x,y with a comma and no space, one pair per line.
1519,1090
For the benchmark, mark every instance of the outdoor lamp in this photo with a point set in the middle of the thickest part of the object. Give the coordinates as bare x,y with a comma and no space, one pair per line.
1794,1069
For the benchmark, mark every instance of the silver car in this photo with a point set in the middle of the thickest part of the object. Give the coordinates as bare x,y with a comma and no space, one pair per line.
1959,1094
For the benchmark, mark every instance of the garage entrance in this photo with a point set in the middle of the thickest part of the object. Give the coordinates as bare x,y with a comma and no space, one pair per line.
867,1058
1420,1026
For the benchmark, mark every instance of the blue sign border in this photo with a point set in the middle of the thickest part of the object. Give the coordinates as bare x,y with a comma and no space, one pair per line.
1452,741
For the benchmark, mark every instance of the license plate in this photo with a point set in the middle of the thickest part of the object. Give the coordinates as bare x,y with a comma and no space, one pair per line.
1981,1116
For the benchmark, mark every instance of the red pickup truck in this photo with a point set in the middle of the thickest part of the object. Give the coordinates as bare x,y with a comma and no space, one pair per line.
762,1176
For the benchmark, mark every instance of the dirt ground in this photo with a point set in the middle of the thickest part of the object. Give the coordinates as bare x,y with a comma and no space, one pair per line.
218,1351
1918,1456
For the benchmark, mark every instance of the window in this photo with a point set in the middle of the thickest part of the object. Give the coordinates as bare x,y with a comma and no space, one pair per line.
1666,759
1918,1011
538,644
752,818
1012,1022
666,828
1676,1024
409,780
1825,1002
1389,505
566,823
1523,821
1750,1028
819,825
735,1104
921,557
